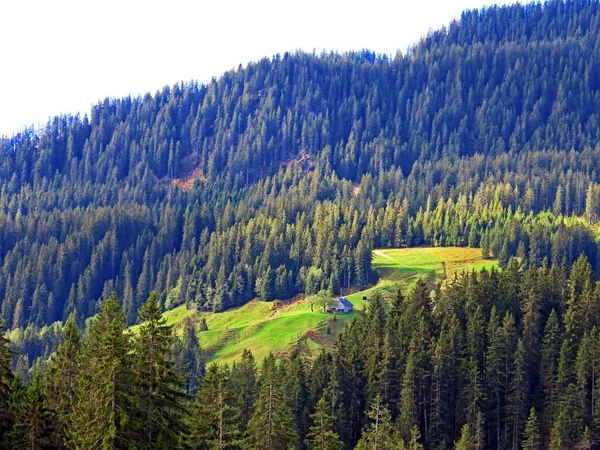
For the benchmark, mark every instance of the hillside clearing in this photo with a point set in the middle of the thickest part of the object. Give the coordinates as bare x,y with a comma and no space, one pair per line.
262,327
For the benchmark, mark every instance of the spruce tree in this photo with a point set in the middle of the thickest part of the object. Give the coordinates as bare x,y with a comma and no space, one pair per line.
272,425
60,380
380,434
549,367
467,440
189,357
33,427
244,386
162,400
532,439
568,426
518,395
321,435
105,385
213,421
6,379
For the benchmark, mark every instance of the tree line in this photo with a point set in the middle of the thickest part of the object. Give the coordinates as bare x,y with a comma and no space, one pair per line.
491,359
300,156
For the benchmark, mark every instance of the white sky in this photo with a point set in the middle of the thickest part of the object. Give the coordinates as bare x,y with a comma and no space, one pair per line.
59,56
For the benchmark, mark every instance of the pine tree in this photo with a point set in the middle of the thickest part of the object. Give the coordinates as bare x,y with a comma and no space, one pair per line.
415,439
466,441
495,376
532,439
272,425
380,434
189,357
244,386
518,395
321,435
568,426
104,385
213,422
60,380
394,354
162,400
6,379
549,367
33,428
409,408
374,340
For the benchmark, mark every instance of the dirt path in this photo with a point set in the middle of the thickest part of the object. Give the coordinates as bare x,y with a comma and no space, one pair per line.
380,253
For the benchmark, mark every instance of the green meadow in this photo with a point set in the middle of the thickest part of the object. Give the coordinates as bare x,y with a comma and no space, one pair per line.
280,327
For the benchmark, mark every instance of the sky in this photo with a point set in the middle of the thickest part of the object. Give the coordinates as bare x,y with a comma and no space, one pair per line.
62,56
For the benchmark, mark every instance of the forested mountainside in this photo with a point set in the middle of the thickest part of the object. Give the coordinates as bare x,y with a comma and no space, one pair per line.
280,177
494,360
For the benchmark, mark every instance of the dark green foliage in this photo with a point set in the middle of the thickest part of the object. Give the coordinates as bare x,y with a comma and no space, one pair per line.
245,387
532,439
6,380
33,428
457,374
60,380
380,433
302,164
188,356
484,134
321,435
272,425
161,402
214,418
104,414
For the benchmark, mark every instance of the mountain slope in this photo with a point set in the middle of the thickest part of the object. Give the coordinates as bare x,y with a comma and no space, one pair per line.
304,163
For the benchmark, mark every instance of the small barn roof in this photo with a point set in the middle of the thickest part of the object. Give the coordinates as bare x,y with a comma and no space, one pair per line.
344,302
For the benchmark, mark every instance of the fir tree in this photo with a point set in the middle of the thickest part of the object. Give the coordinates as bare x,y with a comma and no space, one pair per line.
549,367
532,439
60,380
244,386
213,422
33,428
162,400
380,433
466,441
321,435
6,379
272,425
105,385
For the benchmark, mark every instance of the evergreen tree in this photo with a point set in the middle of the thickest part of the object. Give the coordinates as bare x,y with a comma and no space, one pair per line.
272,425
162,400
213,422
189,358
518,395
60,380
6,379
321,435
105,386
33,421
244,386
568,426
466,441
532,439
549,367
380,433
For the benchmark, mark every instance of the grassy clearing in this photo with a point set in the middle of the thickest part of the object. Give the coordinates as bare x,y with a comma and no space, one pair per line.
262,329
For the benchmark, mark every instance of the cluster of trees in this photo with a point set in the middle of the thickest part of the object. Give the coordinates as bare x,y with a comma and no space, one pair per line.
490,359
107,388
294,155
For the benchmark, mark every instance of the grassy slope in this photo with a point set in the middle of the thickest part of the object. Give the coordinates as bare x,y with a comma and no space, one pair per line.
260,328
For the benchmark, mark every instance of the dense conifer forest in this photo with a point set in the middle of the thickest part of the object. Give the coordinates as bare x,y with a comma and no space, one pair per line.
280,178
